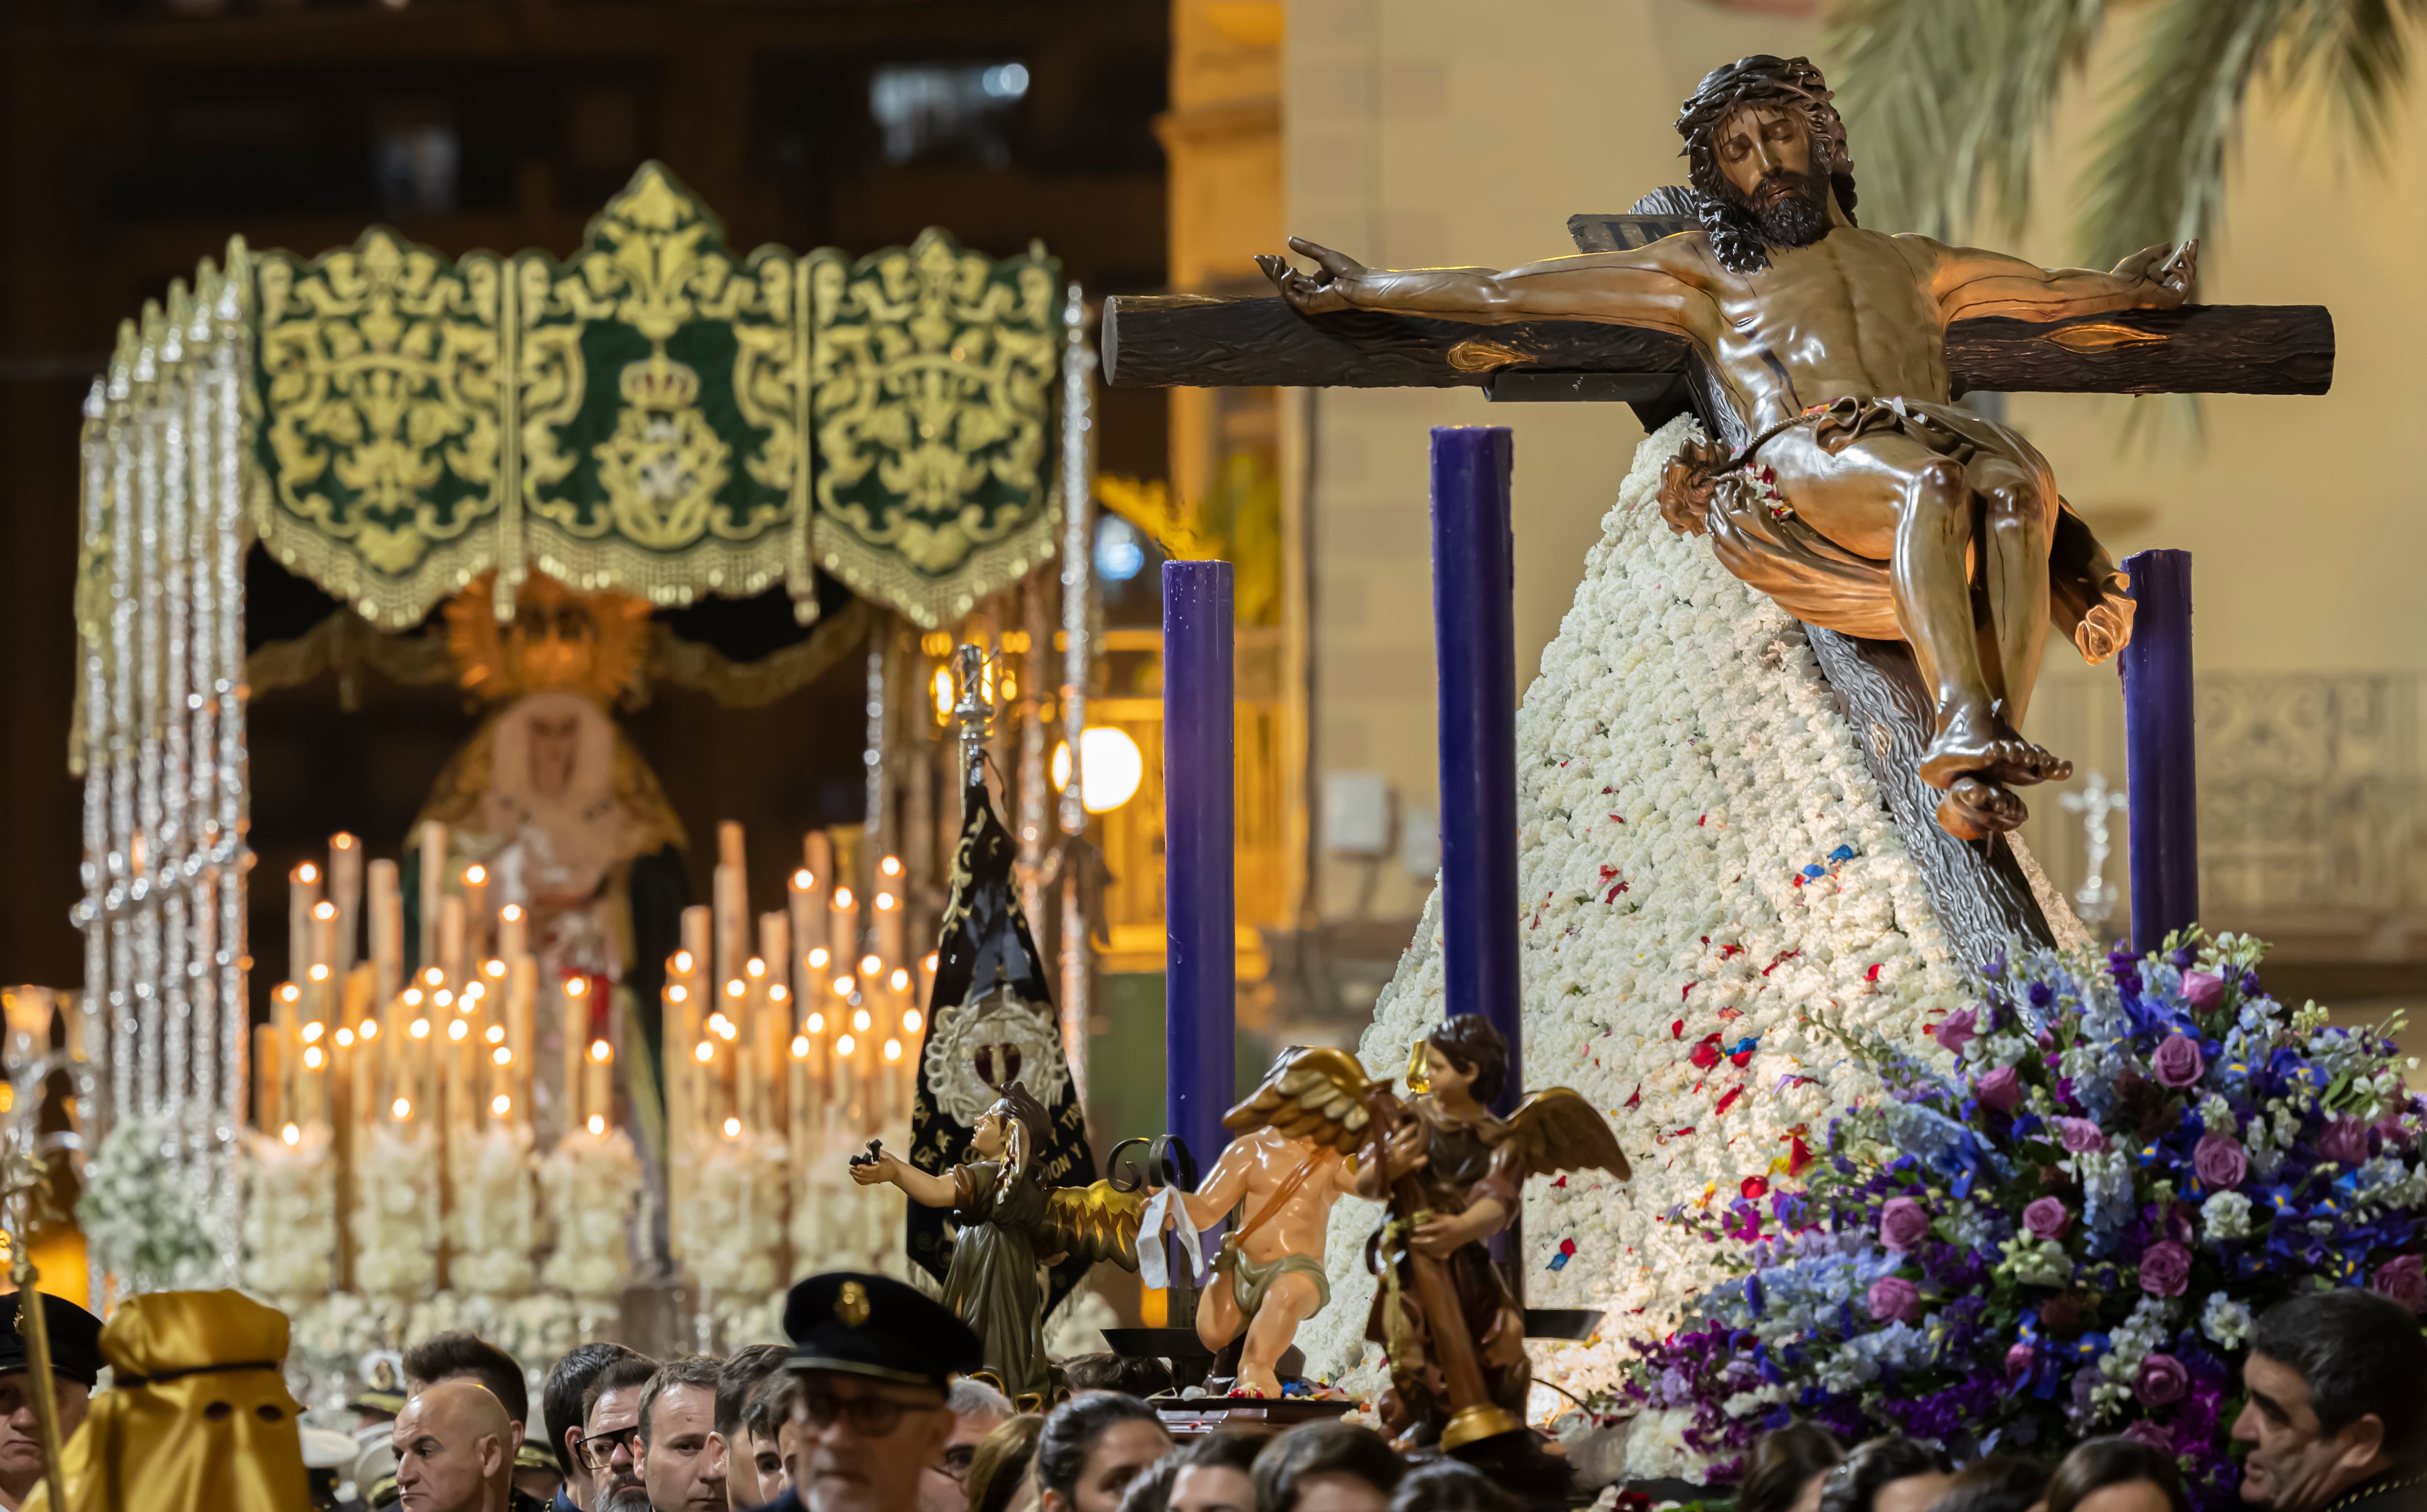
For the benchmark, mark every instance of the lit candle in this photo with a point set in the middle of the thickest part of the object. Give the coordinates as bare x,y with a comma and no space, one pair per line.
842,927
806,898
303,896
729,895
476,911
522,1014
322,972
892,913
598,1082
574,1010
346,891
513,932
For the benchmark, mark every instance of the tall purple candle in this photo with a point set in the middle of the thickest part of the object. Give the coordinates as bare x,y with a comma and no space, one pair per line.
2160,765
1474,636
1199,1074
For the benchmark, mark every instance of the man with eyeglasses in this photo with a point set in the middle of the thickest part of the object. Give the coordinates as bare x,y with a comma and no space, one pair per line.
876,1361
611,1443
977,1410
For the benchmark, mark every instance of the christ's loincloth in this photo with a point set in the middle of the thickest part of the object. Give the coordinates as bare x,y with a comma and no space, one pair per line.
1250,1282
1762,541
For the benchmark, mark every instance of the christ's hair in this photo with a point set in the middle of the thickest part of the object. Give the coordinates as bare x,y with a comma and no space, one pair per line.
1791,82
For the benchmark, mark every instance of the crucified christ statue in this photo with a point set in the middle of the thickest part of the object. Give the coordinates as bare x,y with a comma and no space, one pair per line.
1865,500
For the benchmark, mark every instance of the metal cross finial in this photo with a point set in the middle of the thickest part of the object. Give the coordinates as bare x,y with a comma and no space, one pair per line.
2096,902
974,709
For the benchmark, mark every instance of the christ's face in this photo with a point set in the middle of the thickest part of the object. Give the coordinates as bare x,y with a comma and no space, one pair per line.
553,742
1765,152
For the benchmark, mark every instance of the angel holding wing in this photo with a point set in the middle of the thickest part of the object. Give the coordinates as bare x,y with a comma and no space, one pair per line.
1013,1229
1453,1174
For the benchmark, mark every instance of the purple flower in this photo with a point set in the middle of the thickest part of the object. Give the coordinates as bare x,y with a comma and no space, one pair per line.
2343,1140
2220,1162
2079,1136
1957,1029
2203,991
2403,1278
2019,1361
2165,1269
2177,1061
2162,1380
2152,1434
2000,1089
2047,1218
1903,1223
1896,1299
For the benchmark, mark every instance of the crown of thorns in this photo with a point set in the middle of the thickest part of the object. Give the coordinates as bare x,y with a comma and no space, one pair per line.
1761,79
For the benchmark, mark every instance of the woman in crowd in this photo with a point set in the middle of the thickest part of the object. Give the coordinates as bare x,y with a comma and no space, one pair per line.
1328,1467
2116,1475
1789,1468
1000,1467
1888,1475
1092,1447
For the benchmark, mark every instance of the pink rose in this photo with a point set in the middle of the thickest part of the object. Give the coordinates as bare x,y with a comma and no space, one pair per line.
1957,1029
2404,1279
2019,1361
2165,1269
1896,1299
2203,991
2178,1062
2343,1140
2000,1089
2047,1218
1903,1223
2220,1162
2079,1136
2162,1380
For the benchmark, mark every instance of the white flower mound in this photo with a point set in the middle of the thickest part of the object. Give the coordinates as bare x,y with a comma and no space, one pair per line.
1681,773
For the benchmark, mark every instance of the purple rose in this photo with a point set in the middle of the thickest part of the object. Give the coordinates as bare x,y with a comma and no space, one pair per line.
2165,1269
2019,1361
2152,1434
2343,1140
2000,1089
2403,1278
2220,1162
2047,1218
1903,1223
2203,991
1896,1299
2162,1380
2079,1136
2177,1061
1957,1029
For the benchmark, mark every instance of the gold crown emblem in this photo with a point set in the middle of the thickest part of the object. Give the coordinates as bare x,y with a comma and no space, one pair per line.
851,1305
659,383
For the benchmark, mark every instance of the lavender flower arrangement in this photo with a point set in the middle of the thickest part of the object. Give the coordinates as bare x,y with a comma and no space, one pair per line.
2071,1233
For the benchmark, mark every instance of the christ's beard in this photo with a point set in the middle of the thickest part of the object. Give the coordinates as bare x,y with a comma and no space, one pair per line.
1798,217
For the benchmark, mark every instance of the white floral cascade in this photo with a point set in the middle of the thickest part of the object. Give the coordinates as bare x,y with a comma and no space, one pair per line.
144,1227
396,1212
1704,868
290,1220
496,1221
839,1225
733,1221
590,1183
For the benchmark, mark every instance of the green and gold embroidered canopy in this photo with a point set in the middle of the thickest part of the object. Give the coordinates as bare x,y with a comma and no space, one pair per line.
657,415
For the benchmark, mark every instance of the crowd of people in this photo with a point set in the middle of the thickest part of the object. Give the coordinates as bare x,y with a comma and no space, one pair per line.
878,1405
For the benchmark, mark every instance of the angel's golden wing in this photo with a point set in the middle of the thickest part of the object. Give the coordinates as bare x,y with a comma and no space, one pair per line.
1312,1092
1093,1223
1558,1130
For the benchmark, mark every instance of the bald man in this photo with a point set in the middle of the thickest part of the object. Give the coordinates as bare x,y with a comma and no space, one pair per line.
454,1449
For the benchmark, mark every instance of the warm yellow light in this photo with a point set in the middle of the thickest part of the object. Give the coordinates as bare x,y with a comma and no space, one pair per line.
1010,685
885,903
419,1029
575,986
324,910
313,1057
433,976
799,1047
598,1124
734,988
458,1030
733,1129
819,956
1113,768
291,1135
369,1031
494,969
934,959
400,1107
289,992
845,1046
441,999
682,962
476,875
496,1035
898,981
345,1038
319,971
502,1056
720,1026
817,1024
341,842
842,897
307,872
846,986
859,1020
871,967
312,1031
913,1021
411,996
802,880
602,1052
510,913
678,992
755,966
474,993
705,1052
501,1105
891,866
778,993
893,1049
943,691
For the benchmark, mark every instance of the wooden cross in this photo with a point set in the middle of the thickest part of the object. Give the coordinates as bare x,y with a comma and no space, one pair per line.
1981,891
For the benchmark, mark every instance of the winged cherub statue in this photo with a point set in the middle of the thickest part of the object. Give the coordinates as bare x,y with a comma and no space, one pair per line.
1013,1230
1451,1173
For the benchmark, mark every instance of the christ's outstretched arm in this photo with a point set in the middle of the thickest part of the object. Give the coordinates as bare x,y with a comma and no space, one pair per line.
1968,283
1651,286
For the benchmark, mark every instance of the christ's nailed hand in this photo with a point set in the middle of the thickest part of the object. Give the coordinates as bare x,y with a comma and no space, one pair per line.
2164,274
1331,286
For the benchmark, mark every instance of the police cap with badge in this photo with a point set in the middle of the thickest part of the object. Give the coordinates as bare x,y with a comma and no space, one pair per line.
876,1326
75,1339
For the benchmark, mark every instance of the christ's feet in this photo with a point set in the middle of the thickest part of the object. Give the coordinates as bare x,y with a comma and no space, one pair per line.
1985,745
1974,809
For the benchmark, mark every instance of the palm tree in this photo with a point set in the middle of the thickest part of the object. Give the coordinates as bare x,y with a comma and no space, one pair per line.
1947,98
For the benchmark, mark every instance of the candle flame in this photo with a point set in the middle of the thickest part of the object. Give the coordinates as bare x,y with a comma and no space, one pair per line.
476,875
575,986
419,1029
893,1049
803,880
291,1135
846,986
898,981
778,993
313,1056
705,1052
345,1039
755,966
458,1030
682,962
324,910
341,842
289,992
433,976
501,1105
442,998
944,689
474,993
845,1046
494,969
819,956
799,1047
871,967
734,988
842,899
411,996
678,992
884,902
319,971
307,873
891,866
312,1031
934,960
817,1024
502,1056
733,1129
512,913
601,1052
859,1020
402,1108
496,1034
369,1031
913,1021
598,1124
